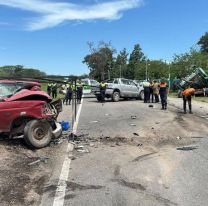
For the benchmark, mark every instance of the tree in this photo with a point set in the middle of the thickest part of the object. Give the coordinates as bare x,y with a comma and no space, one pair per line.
203,43
100,60
120,64
136,57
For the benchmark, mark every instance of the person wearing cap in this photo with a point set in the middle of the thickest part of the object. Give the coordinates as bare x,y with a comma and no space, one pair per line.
187,94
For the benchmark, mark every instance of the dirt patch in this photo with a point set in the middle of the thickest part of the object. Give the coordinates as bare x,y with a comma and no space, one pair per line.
21,183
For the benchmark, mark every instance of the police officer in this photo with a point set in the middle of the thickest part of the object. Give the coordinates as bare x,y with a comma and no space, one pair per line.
163,94
187,93
146,86
103,87
68,95
54,90
49,88
79,91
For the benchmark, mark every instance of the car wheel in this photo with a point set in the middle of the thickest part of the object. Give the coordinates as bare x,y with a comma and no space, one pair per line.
38,134
141,95
116,96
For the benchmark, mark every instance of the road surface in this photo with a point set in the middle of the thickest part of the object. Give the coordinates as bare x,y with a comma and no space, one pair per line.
130,153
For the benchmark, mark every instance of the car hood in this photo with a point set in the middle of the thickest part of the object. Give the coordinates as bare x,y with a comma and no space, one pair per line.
26,94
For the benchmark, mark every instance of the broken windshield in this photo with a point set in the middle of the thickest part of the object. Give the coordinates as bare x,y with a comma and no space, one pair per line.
7,89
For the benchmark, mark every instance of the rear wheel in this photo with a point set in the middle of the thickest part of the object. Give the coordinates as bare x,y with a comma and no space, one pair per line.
116,96
37,134
141,95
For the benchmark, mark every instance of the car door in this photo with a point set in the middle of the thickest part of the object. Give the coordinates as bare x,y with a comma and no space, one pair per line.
124,88
134,92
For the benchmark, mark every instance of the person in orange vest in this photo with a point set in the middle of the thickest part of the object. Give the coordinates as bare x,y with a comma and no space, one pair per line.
187,93
163,94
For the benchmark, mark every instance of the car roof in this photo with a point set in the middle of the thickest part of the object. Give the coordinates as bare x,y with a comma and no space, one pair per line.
19,81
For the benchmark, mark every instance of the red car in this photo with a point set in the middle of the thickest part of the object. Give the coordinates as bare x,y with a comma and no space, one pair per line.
28,111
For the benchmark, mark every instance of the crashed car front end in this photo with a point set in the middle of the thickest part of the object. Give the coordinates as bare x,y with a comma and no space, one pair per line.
33,108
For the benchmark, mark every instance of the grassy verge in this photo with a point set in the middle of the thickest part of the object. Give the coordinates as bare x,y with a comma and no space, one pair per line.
196,98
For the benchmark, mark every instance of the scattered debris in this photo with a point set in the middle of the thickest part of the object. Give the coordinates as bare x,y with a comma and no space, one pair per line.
133,117
139,145
136,134
83,150
187,148
40,159
94,121
132,125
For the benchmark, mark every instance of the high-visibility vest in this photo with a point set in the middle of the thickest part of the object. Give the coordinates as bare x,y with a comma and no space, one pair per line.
188,92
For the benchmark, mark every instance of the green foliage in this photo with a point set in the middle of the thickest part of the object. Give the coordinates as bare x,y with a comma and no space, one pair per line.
203,43
20,71
100,60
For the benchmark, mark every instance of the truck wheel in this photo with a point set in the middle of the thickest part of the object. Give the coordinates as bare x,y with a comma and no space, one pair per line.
116,96
141,95
37,134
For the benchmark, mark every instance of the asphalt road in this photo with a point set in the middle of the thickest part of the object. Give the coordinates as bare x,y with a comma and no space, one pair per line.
133,154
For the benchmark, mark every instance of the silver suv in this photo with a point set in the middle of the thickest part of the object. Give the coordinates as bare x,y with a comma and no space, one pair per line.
120,88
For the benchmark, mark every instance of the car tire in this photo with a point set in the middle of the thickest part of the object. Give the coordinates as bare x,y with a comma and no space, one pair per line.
141,95
116,96
38,134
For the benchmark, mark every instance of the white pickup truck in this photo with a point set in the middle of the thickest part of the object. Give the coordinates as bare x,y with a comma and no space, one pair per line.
120,88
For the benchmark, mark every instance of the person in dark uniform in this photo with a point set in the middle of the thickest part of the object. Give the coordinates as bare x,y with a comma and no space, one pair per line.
103,87
163,94
146,86
187,93
49,88
54,90
68,95
79,92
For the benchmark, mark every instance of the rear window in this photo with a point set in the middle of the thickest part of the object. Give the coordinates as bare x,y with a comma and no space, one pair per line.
93,82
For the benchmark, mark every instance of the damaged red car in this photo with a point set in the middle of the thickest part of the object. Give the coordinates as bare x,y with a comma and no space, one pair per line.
27,111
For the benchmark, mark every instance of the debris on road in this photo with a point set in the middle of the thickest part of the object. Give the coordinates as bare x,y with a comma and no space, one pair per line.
187,148
136,134
94,122
139,145
133,117
41,159
132,125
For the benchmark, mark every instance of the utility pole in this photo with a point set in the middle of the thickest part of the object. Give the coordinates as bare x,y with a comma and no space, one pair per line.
146,70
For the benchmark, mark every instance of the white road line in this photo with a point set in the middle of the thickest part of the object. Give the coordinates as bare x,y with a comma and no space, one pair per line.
61,188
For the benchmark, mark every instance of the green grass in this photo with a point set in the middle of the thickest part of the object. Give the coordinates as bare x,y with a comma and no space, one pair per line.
196,98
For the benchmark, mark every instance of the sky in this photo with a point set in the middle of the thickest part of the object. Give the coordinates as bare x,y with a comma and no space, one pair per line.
52,35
